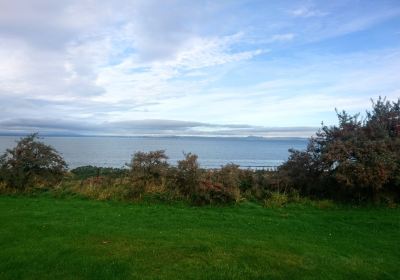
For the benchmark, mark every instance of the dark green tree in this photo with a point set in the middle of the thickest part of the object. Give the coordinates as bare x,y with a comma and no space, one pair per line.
357,159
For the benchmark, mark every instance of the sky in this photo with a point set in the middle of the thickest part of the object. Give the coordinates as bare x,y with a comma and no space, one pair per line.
202,68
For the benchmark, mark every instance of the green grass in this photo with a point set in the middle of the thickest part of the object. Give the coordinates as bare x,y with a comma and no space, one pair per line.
48,238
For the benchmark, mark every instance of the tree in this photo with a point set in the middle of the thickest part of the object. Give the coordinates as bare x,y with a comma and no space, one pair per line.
31,162
357,159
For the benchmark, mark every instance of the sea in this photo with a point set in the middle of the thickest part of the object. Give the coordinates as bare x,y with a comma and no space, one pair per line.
248,152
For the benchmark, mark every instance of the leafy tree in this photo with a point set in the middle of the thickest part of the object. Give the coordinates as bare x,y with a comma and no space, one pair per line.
357,159
31,162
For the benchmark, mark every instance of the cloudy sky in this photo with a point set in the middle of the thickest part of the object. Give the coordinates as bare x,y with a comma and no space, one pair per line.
266,68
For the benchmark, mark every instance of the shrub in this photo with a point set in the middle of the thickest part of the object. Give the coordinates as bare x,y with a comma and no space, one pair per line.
187,178
213,193
212,187
218,186
280,199
276,199
148,172
229,176
31,162
255,184
246,180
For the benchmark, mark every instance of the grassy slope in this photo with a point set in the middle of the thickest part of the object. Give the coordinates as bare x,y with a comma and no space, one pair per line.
48,238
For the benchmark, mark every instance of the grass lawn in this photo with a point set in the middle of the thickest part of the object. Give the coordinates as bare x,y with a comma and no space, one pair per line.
48,238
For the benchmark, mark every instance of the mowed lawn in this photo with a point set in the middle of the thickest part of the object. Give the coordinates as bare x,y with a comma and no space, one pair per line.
50,238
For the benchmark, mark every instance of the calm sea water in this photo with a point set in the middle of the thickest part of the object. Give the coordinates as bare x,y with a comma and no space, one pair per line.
212,152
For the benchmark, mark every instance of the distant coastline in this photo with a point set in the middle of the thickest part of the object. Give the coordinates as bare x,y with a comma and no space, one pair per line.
5,134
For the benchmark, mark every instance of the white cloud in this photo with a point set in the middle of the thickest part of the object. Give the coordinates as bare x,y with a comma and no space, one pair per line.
152,79
307,12
282,37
